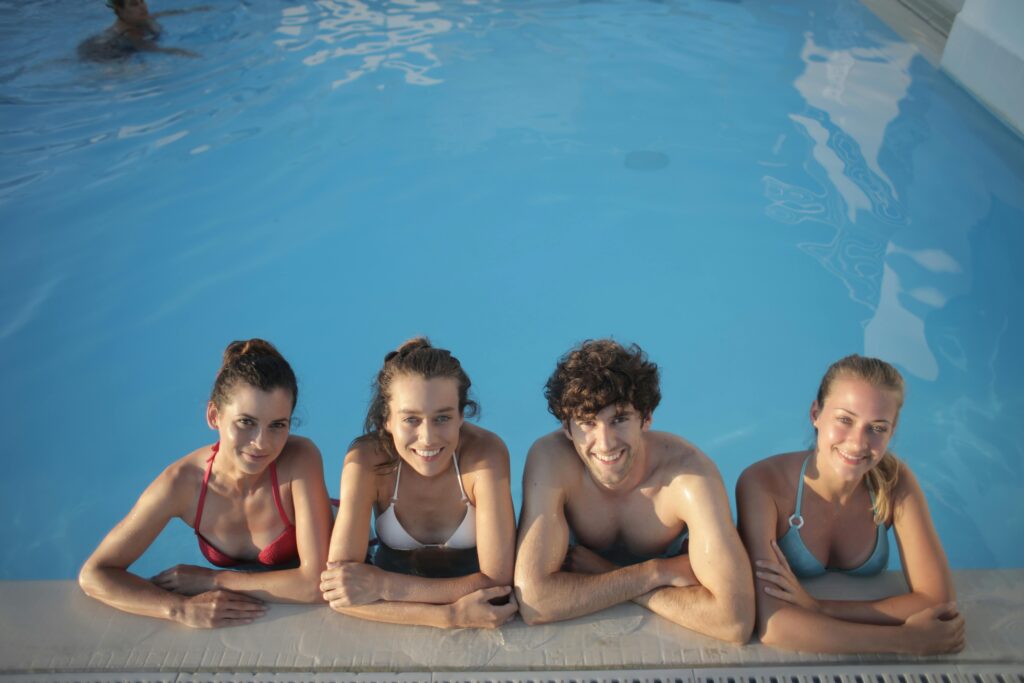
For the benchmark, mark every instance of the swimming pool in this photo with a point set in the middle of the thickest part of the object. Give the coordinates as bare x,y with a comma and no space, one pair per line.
748,190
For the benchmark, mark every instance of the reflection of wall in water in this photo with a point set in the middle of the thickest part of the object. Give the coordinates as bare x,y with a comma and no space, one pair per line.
853,96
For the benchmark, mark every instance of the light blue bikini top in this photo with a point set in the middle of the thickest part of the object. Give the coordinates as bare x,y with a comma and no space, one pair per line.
804,564
392,534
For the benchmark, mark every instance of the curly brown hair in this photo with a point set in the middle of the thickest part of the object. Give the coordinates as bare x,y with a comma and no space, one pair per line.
598,373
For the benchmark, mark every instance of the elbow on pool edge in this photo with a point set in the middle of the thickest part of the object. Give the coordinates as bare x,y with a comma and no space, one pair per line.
772,633
744,612
735,625
737,617
528,599
87,581
737,629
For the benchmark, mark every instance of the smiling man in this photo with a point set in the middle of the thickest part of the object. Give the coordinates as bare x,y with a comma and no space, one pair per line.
613,511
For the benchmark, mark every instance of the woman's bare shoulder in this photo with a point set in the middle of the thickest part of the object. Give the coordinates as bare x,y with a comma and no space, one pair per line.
179,483
366,452
479,446
299,454
906,482
776,473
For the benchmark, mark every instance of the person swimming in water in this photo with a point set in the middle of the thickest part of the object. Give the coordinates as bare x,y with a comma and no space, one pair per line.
828,509
134,30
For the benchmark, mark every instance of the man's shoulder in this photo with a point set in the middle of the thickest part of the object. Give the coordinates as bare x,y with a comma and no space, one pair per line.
551,445
676,456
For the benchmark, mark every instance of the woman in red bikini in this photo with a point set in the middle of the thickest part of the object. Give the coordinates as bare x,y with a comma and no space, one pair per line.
256,500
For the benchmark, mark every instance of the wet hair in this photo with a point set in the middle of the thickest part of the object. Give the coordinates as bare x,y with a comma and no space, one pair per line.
883,477
255,362
598,373
415,357
115,4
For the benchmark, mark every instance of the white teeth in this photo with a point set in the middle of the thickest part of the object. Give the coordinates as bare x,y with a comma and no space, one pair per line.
429,454
851,458
611,457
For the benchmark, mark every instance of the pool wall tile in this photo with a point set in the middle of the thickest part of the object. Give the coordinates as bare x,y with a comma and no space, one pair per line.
52,627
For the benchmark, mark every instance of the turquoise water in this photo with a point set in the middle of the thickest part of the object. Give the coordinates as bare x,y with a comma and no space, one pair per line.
749,190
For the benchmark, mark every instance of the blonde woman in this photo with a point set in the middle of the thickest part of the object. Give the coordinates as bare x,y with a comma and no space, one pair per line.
829,509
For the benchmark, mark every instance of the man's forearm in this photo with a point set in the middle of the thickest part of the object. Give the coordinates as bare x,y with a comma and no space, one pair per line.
565,595
696,608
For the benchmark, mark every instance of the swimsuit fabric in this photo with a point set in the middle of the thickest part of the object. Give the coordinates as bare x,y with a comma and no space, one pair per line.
392,534
282,550
803,562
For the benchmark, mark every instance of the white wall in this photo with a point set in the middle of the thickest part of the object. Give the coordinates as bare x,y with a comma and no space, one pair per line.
985,53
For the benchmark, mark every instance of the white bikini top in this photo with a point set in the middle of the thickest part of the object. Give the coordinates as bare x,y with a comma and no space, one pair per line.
392,534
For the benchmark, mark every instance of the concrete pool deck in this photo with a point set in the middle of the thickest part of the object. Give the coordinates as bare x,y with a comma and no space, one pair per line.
50,630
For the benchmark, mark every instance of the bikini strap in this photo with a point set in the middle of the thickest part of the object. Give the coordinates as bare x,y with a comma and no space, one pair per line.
398,478
796,520
277,495
206,481
458,476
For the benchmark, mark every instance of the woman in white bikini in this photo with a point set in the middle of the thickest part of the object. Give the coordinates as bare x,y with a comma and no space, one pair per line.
438,490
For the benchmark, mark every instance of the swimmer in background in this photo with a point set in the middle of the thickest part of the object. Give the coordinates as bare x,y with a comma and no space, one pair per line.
256,500
439,491
134,30
609,505
828,510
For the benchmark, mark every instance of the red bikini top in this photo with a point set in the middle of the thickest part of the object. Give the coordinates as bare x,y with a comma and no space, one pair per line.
282,550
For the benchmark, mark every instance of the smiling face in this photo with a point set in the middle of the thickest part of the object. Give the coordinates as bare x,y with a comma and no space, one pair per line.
610,443
253,425
424,421
854,427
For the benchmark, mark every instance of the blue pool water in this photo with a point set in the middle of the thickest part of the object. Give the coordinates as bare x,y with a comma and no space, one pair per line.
749,190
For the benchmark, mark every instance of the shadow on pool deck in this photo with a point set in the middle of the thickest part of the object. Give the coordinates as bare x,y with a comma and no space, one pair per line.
50,630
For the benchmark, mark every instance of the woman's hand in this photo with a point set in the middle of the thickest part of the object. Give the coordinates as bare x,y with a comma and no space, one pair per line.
477,610
936,630
345,584
218,608
187,579
782,582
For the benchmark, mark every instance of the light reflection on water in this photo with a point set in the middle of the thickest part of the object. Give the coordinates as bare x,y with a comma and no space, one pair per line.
368,36
749,191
